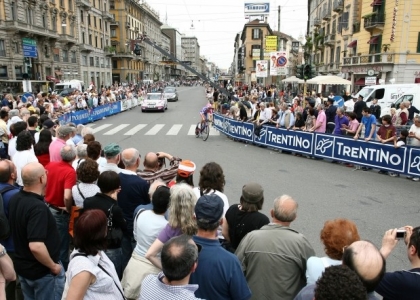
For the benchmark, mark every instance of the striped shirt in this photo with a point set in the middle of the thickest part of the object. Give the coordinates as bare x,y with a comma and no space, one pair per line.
165,175
153,288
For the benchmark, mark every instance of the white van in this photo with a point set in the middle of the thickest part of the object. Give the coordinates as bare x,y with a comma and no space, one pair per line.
412,95
386,94
75,84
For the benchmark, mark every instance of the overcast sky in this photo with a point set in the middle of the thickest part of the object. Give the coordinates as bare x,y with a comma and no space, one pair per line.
216,22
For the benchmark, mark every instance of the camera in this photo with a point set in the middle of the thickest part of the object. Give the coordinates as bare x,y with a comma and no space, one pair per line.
401,233
161,161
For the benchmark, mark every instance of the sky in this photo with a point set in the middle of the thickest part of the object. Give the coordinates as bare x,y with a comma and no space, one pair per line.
216,22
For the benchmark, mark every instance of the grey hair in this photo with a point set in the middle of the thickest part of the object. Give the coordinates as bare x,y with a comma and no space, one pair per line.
81,151
341,109
407,103
79,129
181,208
86,130
131,162
24,112
281,213
68,153
321,106
13,113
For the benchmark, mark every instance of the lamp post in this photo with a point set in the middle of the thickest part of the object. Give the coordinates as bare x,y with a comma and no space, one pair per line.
262,51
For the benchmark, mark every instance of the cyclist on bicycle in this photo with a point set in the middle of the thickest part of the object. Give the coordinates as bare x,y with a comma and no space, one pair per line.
208,109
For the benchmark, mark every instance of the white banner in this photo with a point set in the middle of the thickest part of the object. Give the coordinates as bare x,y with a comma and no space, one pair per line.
261,69
278,63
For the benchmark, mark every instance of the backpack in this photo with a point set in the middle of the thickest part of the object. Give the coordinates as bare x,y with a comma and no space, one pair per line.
4,222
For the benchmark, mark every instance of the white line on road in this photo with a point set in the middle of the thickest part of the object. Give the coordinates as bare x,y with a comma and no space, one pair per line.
155,129
102,127
174,129
116,129
135,129
192,130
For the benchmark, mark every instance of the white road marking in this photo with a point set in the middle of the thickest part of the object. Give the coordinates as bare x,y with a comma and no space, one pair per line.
116,129
174,129
102,127
135,129
155,129
192,130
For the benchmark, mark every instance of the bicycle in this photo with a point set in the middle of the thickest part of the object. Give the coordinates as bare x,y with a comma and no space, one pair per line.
203,129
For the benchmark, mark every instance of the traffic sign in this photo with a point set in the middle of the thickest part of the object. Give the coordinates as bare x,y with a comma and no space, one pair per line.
281,61
29,47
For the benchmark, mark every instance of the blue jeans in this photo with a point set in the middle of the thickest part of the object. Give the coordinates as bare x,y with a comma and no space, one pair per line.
115,255
49,287
127,246
62,221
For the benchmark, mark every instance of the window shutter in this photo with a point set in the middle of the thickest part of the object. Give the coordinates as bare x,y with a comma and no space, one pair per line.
418,43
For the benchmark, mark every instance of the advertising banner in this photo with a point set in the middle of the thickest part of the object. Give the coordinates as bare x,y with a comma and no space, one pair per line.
261,68
404,160
90,115
256,9
271,43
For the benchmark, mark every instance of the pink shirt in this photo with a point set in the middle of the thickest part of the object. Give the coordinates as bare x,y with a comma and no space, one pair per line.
321,119
55,148
353,125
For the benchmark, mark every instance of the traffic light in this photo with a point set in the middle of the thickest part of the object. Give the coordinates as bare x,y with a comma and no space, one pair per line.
137,49
307,72
299,71
313,71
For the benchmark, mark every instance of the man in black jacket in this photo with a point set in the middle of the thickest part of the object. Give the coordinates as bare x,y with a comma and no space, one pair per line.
330,112
358,108
375,109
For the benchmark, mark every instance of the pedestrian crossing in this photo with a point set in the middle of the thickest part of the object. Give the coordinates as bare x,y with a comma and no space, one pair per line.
146,129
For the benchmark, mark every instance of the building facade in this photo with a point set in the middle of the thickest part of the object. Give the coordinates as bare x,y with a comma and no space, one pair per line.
192,53
176,50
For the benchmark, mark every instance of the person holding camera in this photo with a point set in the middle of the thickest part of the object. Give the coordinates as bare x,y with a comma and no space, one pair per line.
155,167
403,284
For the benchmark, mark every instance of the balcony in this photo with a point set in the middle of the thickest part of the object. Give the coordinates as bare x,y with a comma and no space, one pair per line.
374,21
22,27
67,39
323,69
86,48
84,4
114,23
124,55
338,6
329,39
127,25
109,51
326,16
368,59
317,22
334,67
356,27
107,16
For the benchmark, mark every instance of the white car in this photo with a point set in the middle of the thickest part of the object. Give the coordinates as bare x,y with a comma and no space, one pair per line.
154,101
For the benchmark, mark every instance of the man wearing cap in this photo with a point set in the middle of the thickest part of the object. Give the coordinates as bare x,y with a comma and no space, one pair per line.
219,273
64,133
58,196
134,192
274,257
358,108
112,155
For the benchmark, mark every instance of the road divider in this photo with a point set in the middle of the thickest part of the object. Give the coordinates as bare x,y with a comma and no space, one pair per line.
404,160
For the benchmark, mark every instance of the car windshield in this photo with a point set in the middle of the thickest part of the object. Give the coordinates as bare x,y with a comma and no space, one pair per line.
169,90
365,92
154,97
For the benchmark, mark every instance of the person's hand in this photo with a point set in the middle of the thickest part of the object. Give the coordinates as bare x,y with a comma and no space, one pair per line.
409,232
56,269
395,138
389,241
411,134
367,139
356,137
383,141
277,125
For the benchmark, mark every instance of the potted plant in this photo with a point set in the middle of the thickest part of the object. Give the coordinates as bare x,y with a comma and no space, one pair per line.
386,47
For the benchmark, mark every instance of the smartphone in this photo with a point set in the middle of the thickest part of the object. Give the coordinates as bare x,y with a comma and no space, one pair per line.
401,233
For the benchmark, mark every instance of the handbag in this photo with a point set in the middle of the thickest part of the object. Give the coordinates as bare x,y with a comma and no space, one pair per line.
75,213
114,235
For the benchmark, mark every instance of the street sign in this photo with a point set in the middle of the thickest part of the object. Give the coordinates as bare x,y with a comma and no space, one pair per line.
257,9
370,80
281,61
29,47
271,43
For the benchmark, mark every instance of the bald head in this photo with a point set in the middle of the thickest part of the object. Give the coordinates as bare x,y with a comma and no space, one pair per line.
31,174
151,161
365,259
285,209
130,157
6,170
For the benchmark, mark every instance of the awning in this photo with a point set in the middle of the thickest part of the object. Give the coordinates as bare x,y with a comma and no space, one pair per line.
58,73
352,44
376,3
329,80
361,81
374,40
53,79
417,80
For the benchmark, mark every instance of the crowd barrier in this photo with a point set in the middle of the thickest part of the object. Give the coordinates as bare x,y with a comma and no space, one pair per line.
404,160
90,115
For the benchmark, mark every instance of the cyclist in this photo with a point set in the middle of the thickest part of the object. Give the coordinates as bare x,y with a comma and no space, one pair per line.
208,109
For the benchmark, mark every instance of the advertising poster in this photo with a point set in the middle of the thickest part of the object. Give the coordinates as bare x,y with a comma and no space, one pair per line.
261,68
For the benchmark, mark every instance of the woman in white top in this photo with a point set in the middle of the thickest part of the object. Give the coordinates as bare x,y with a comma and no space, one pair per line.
91,274
24,153
87,175
336,236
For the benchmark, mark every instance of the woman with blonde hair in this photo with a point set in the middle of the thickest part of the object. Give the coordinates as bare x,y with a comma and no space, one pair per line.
181,220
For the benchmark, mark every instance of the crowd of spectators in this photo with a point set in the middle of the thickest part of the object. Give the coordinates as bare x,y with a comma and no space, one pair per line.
143,230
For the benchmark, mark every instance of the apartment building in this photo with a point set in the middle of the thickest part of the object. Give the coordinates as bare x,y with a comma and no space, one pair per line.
176,50
357,37
192,53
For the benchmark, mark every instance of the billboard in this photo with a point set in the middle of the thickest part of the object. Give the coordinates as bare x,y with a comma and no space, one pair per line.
271,43
256,9
261,68
278,63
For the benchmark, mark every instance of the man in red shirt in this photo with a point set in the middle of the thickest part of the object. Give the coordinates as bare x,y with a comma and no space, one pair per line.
61,179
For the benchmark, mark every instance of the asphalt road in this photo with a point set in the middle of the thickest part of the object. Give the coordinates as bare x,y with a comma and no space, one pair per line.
323,190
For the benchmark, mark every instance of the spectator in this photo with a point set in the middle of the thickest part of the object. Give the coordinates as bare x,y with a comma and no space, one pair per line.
349,104
401,284
299,122
15,129
340,122
286,118
414,134
358,108
402,115
265,114
78,136
179,261
387,131
369,124
24,154
330,113
147,226
393,116
4,116
336,235
87,175
218,273
310,120
321,120
58,196
91,274
46,125
240,219
375,109
276,244
88,138
73,133
411,111
41,149
109,185
339,282
154,167
351,129
185,173
81,155
112,154
134,192
35,236
32,124
64,133
181,220
94,152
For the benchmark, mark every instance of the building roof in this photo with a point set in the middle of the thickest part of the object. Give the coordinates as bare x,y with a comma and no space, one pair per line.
282,35
255,23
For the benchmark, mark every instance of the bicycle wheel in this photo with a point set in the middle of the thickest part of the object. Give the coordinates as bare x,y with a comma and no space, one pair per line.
205,132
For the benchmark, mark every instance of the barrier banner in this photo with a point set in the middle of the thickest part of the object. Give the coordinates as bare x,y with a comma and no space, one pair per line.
405,160
90,115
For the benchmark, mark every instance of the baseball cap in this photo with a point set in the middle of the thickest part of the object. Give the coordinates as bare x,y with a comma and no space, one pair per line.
186,168
252,192
112,150
48,124
209,208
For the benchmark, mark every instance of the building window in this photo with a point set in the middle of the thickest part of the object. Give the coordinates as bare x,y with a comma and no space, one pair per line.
56,55
2,48
54,23
115,64
94,21
18,72
113,33
91,62
29,16
106,26
70,5
418,43
83,38
44,21
256,34
96,41
84,60
3,71
102,43
96,61
88,17
72,29
65,56
13,10
100,24
107,62
82,17
73,56
90,39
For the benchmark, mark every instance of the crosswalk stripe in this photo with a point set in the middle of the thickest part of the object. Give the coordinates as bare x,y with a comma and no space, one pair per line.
174,129
155,129
95,130
192,130
213,131
135,129
116,129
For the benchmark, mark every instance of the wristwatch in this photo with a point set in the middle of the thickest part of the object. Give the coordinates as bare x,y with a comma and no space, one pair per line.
3,252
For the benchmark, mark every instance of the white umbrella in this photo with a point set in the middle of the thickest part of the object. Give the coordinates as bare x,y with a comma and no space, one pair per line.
292,79
329,79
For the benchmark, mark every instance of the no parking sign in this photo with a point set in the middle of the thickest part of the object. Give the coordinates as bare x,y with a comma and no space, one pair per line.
280,63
